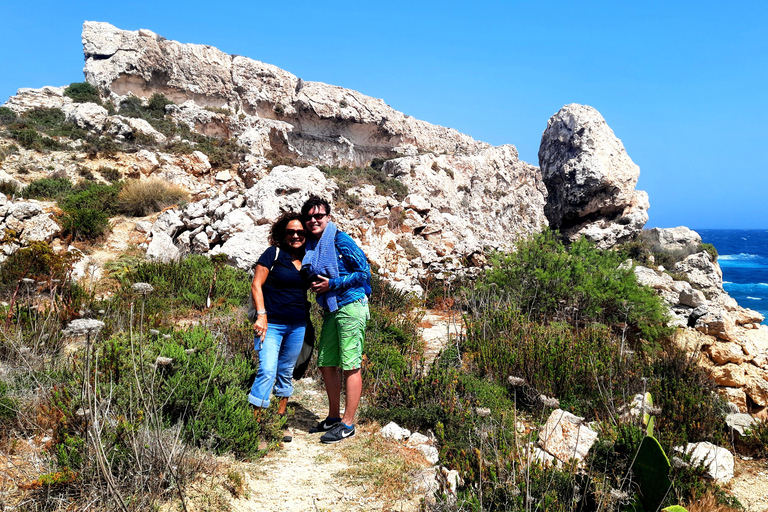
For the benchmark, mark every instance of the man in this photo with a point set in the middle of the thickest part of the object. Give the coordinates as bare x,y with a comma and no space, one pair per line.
339,274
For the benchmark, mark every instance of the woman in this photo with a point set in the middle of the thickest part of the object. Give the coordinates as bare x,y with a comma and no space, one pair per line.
279,295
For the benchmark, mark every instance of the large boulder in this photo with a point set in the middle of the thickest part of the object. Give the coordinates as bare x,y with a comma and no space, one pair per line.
676,239
590,179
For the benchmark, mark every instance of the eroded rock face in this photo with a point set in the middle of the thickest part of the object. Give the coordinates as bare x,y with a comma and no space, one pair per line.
320,122
590,179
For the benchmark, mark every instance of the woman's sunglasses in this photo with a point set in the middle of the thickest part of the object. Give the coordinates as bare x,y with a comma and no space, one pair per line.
297,232
317,216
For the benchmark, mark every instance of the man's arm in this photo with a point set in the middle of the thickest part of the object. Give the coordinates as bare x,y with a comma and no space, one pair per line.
356,264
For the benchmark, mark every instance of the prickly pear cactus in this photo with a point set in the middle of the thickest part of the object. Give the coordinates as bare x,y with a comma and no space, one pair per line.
651,470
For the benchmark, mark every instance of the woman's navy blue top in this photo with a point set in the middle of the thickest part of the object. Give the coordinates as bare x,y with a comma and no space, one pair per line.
285,292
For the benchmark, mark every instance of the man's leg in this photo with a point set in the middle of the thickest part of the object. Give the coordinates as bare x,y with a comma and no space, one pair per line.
354,389
333,390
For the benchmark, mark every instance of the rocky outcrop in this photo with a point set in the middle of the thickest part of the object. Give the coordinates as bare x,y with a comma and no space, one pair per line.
458,205
316,122
730,341
26,222
590,179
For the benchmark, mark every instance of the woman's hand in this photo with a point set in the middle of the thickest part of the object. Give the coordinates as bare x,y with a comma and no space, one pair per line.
321,285
260,326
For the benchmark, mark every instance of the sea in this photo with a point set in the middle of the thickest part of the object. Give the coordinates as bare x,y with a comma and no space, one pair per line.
743,256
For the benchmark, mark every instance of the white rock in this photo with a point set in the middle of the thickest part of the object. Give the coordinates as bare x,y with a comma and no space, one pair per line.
590,178
680,238
41,228
162,249
394,431
430,453
565,436
418,438
245,248
223,176
143,226
24,210
717,461
168,223
200,243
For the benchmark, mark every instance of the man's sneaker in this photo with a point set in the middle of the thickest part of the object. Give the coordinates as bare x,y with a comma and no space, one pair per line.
339,432
325,425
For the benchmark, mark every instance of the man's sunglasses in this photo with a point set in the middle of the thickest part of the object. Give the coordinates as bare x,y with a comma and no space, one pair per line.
298,232
317,216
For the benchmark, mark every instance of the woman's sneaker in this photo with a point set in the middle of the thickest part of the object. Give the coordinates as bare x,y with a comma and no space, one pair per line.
325,425
339,432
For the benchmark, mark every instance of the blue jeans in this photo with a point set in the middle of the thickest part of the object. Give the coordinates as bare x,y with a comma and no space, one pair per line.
277,357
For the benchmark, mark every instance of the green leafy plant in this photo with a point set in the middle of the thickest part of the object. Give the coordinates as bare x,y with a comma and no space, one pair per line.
47,188
83,92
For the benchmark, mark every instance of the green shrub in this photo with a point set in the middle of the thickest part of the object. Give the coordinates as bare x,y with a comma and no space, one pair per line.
756,440
104,146
9,188
92,196
709,249
7,116
84,223
548,282
186,284
110,174
347,178
8,407
83,92
140,198
7,150
691,411
47,188
28,138
156,105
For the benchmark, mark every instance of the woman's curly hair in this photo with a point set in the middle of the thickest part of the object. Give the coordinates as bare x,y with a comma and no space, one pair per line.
277,233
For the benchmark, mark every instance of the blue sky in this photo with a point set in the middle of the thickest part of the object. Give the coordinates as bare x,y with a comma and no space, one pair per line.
683,84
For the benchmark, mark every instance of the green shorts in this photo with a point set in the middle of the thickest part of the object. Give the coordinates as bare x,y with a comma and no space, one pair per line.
342,336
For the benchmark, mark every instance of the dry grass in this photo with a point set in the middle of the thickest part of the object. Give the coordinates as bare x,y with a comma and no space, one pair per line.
383,467
708,503
140,198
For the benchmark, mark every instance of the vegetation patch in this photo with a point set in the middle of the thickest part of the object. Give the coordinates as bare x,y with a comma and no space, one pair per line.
347,178
83,92
139,198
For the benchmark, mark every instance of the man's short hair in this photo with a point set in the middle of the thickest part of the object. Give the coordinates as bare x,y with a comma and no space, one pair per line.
312,202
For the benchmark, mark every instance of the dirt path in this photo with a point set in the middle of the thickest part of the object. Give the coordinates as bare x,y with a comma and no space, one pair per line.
306,475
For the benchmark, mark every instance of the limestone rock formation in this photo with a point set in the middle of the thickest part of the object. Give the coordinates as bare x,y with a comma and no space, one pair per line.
729,340
680,238
316,122
590,179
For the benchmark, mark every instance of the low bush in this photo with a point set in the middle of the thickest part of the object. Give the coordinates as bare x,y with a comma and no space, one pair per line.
547,281
84,224
347,178
140,198
691,411
7,116
110,174
92,196
47,188
9,188
83,92
186,284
